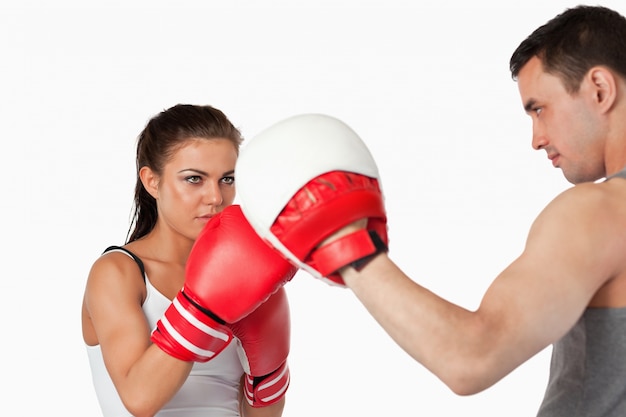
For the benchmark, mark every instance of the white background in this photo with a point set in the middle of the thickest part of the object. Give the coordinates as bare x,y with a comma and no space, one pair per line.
426,86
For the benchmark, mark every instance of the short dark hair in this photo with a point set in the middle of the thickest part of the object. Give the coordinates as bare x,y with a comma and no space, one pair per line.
575,41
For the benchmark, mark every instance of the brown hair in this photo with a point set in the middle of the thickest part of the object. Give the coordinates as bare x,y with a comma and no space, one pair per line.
159,140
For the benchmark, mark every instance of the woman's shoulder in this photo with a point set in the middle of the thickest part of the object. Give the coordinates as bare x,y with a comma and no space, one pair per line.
116,268
129,253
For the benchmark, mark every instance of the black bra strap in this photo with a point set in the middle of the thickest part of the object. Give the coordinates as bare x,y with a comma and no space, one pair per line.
132,255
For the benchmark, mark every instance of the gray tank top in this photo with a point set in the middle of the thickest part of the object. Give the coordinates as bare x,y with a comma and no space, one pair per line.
588,366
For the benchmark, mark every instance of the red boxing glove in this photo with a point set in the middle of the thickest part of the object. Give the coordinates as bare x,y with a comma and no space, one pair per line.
229,273
327,180
322,207
263,346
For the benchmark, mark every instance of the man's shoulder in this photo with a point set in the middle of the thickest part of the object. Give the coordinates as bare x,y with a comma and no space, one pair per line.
599,205
594,195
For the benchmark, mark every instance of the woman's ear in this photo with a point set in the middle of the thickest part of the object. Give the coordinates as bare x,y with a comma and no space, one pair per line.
605,88
150,181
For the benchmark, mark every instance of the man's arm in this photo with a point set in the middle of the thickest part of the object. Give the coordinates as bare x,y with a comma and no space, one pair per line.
570,253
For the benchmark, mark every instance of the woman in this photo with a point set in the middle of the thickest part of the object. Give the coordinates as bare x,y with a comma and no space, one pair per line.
186,159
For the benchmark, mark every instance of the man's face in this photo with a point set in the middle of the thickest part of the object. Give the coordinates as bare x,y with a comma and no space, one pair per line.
564,124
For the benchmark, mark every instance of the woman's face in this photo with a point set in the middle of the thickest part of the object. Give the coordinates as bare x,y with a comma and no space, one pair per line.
197,182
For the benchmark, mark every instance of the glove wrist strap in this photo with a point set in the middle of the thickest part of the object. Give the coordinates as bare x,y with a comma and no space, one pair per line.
379,246
355,250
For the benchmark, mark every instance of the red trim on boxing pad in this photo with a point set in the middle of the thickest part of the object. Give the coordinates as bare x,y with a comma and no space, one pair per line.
328,217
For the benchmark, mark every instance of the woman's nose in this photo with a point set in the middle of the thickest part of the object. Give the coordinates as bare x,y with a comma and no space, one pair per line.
213,195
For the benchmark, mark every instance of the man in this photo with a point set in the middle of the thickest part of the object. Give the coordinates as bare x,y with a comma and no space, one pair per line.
567,288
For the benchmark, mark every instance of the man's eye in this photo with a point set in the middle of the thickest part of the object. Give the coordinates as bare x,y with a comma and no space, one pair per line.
538,110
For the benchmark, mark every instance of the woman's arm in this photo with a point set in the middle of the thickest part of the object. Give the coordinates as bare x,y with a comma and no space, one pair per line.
145,377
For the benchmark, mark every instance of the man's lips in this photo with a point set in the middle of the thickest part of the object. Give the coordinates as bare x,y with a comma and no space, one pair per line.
554,157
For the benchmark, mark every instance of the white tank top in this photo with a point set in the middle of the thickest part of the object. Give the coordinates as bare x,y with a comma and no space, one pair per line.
211,389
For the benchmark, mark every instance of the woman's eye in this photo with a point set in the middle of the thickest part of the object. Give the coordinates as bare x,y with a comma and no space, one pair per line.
538,111
194,179
228,180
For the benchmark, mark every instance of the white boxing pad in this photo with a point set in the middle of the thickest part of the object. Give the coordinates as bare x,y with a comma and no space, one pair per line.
280,160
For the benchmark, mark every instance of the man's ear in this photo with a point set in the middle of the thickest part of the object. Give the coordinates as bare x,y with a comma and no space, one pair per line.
604,85
150,181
